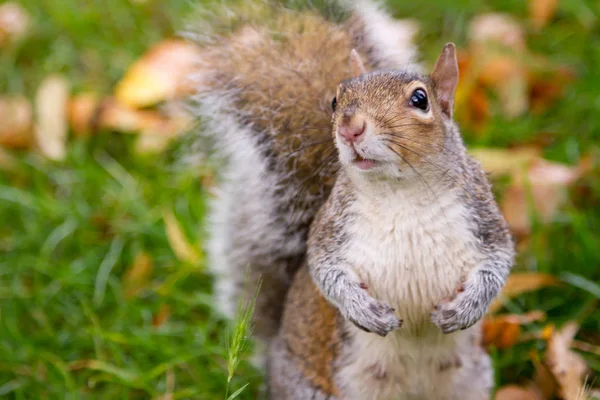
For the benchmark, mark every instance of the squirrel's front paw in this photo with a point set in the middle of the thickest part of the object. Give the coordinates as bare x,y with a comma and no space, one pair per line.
460,312
373,316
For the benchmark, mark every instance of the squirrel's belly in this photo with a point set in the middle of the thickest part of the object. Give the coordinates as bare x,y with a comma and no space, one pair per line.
401,368
412,263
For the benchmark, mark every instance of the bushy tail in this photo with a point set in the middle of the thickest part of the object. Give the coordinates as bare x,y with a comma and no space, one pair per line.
265,85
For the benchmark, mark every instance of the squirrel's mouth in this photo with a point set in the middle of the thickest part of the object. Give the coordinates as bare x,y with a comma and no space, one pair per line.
364,163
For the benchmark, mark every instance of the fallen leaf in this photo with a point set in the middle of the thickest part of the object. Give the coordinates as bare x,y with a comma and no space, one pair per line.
568,368
500,162
84,110
16,129
504,331
14,22
151,144
543,379
163,314
542,189
51,106
519,283
547,86
137,275
116,116
541,12
514,392
159,75
183,250
497,28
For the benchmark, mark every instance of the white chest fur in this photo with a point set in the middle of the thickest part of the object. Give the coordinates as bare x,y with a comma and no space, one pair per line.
412,250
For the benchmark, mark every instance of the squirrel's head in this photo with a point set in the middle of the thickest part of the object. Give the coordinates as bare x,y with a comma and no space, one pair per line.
394,123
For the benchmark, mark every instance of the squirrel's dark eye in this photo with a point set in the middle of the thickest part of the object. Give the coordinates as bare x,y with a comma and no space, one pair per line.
333,103
419,99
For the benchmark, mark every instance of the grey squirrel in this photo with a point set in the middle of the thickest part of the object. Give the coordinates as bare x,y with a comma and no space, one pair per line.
392,257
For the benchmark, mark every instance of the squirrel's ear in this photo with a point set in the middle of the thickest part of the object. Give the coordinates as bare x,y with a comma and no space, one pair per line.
445,78
356,65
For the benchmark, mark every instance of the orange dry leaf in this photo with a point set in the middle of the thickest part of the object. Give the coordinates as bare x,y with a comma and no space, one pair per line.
514,392
183,250
519,283
16,129
504,331
568,368
137,275
542,11
83,113
161,74
51,103
115,116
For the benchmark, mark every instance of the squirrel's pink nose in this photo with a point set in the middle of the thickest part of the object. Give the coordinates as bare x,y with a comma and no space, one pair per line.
353,132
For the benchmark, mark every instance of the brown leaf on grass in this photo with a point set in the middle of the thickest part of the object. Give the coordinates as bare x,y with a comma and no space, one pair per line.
498,162
547,86
497,28
151,141
14,22
137,275
568,368
163,314
159,75
498,41
498,64
523,282
114,115
541,191
542,11
51,106
16,128
514,392
183,250
83,113
504,331
543,379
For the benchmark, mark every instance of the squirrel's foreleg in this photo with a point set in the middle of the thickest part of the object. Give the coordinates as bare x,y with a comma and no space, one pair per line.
474,296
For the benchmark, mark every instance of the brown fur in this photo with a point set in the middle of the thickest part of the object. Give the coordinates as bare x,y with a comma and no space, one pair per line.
310,332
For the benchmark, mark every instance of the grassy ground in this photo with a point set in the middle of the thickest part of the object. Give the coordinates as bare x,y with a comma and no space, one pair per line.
70,230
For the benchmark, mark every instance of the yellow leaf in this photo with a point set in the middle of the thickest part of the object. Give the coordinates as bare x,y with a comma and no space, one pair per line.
161,74
51,105
183,250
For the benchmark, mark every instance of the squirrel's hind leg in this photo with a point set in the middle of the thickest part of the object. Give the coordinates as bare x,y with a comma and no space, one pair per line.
285,380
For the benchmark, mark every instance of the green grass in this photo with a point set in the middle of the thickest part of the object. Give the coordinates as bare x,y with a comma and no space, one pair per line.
70,230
